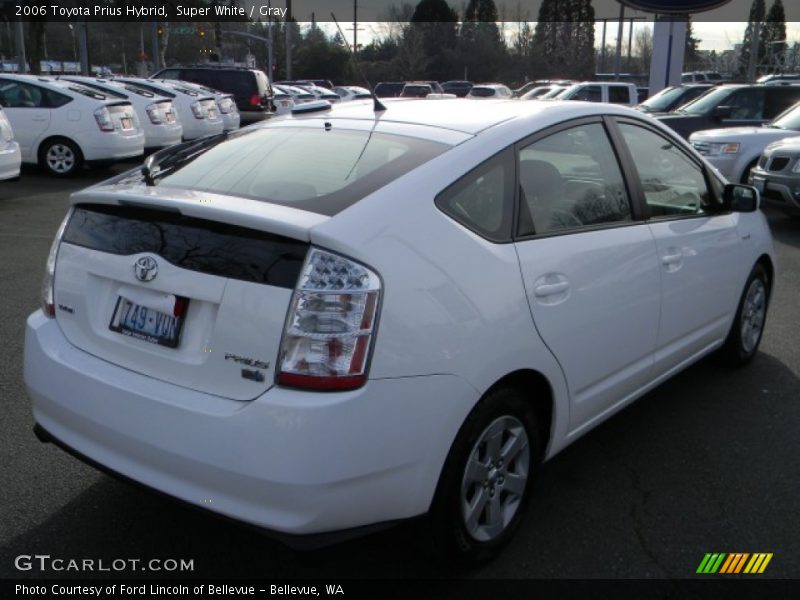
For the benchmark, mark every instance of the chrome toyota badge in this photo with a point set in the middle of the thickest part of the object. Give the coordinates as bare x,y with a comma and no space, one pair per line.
145,268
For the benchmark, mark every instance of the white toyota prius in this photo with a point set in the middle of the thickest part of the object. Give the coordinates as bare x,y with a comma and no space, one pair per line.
351,317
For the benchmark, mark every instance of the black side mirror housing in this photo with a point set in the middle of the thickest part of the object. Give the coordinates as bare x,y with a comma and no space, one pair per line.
740,198
722,112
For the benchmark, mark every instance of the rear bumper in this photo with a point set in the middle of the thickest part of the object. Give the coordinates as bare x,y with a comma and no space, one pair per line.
200,127
161,136
292,462
113,146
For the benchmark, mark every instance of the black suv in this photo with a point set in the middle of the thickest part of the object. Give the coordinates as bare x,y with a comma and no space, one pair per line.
250,87
732,106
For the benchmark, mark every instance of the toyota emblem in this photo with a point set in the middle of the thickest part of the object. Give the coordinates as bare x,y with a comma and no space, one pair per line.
146,268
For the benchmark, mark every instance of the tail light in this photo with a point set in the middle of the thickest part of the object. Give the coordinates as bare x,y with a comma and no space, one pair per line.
330,325
6,133
48,301
103,118
255,100
226,106
198,110
153,111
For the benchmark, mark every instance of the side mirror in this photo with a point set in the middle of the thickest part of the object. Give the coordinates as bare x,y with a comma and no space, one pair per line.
740,198
722,112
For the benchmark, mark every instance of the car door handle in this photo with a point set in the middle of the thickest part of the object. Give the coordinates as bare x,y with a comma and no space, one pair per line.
39,119
671,259
550,289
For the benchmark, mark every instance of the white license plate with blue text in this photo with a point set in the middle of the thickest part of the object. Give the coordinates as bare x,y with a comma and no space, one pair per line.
145,323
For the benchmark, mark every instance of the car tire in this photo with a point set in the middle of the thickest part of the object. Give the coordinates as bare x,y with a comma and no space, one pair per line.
747,328
476,510
60,157
746,173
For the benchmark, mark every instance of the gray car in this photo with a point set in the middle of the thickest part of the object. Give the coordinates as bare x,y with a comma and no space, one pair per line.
777,175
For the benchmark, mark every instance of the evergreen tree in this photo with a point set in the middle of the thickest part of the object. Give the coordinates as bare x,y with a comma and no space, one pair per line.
757,14
691,58
434,26
775,35
564,39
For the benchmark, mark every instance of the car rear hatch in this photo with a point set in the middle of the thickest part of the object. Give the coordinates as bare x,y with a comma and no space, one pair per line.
163,111
227,104
123,116
210,108
192,289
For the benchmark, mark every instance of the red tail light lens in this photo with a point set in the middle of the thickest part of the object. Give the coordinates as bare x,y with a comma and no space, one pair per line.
330,325
255,100
48,299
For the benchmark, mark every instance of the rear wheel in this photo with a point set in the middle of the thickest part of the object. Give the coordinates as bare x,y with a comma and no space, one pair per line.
60,157
744,337
486,481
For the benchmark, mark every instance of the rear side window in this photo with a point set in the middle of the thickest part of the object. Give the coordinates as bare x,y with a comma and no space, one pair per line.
779,99
618,94
483,199
570,180
323,170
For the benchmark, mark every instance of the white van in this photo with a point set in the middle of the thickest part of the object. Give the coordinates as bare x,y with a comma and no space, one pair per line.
614,92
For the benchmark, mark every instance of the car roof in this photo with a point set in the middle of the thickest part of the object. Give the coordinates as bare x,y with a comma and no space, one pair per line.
459,115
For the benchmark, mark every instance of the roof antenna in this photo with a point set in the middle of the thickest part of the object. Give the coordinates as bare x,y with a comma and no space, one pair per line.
376,104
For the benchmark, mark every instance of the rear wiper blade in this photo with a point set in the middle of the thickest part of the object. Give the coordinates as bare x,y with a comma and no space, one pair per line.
162,162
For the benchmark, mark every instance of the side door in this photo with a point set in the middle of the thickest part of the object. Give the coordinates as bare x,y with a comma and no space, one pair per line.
698,244
589,265
27,108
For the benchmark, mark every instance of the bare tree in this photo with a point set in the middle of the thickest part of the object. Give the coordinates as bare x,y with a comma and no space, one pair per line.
643,42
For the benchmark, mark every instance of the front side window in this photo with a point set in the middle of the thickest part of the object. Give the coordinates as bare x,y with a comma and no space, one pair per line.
673,184
747,104
590,93
569,180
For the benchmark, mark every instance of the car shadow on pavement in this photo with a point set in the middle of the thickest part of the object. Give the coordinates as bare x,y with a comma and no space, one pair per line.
706,462
785,229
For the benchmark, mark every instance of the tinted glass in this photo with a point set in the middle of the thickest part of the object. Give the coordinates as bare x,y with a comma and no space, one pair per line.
618,94
571,179
483,199
790,119
482,92
590,93
747,104
54,99
778,99
673,184
194,244
317,169
15,94
707,102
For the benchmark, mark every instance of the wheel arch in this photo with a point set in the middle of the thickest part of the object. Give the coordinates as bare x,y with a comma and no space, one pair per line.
766,261
539,392
57,136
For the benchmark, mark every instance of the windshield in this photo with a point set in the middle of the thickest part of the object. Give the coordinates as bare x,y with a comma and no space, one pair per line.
662,100
788,119
482,91
319,169
707,102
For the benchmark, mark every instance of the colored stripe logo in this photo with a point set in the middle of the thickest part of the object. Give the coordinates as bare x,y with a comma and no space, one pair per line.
734,563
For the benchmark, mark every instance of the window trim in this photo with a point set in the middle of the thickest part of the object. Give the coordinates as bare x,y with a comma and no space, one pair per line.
637,216
630,166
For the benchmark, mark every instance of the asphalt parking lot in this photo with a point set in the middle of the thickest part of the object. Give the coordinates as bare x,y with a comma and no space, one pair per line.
708,462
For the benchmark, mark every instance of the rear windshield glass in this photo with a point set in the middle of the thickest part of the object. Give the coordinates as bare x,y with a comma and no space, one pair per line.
314,169
482,91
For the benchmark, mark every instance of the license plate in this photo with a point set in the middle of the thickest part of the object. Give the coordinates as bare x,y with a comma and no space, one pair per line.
170,117
145,323
212,113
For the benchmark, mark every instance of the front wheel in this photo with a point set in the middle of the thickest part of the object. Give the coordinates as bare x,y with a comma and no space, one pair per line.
486,480
744,337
